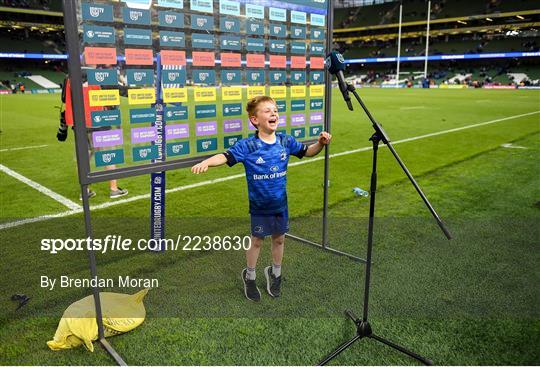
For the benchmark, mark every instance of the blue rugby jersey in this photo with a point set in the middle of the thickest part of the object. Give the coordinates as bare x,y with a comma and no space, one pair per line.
266,170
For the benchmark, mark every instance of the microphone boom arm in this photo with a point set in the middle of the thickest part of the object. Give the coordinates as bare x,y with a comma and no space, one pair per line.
386,140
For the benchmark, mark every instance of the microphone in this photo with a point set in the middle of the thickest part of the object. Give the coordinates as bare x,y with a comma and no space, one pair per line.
336,64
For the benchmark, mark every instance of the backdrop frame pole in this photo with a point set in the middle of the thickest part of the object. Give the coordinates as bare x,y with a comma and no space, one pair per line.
83,159
327,126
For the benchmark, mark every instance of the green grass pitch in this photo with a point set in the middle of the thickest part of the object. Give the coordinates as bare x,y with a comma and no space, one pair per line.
472,300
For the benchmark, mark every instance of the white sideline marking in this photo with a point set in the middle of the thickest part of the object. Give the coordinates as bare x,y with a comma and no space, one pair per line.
61,199
179,188
232,177
21,148
510,145
41,218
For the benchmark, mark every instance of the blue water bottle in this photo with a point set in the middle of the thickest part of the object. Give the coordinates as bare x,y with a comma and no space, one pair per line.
359,192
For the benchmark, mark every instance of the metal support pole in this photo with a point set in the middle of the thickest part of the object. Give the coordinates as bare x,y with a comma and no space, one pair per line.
399,43
327,124
427,38
83,160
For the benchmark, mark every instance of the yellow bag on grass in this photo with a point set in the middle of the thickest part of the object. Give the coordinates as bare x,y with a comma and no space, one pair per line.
121,313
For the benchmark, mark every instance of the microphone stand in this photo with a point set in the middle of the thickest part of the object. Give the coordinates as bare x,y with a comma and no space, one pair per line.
363,327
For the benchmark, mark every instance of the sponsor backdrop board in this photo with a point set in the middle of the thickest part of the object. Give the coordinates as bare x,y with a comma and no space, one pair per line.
215,56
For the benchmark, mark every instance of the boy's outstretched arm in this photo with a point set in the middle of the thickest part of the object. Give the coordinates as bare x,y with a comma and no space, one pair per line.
315,148
214,161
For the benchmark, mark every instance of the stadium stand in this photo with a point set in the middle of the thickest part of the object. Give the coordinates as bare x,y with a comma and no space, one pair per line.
439,46
27,40
52,5
416,10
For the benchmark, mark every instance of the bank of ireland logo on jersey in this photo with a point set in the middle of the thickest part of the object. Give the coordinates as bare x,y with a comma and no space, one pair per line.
274,168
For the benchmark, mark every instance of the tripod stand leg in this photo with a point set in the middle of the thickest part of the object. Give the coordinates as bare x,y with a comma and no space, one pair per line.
418,357
339,349
105,343
352,316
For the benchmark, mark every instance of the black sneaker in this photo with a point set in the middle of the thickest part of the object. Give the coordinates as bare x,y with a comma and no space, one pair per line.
273,283
250,288
118,193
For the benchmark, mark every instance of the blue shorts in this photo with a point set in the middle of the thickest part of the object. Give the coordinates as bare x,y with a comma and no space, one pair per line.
263,225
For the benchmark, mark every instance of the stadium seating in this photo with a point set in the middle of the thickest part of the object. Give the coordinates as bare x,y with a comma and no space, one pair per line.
52,5
414,10
507,6
28,45
438,46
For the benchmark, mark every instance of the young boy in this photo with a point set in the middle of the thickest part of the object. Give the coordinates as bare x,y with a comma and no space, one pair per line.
265,157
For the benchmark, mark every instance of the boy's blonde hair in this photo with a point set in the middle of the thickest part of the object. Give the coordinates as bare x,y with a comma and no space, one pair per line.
254,102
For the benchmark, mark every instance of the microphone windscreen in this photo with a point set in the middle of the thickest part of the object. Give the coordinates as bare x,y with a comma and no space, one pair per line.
335,62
